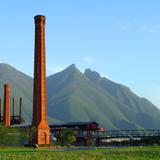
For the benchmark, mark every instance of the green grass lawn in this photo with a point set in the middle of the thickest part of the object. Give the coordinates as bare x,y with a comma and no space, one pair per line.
131,153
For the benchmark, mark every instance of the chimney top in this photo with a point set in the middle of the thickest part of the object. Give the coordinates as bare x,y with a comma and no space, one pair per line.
7,85
39,18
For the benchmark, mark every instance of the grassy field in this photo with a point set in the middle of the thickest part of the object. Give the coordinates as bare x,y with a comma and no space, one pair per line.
132,153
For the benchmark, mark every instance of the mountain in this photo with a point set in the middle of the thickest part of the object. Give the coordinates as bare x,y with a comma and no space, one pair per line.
143,112
74,96
21,86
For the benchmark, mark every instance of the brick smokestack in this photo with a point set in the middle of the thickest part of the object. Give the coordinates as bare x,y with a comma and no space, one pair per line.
6,116
39,98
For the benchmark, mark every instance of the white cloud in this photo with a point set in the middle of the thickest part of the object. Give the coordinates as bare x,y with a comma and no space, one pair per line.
154,29
89,59
127,26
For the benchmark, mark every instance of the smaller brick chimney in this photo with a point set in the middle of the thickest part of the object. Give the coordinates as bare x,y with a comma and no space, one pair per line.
6,113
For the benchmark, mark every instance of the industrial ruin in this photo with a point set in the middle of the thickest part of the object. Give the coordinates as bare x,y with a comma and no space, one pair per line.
39,121
87,132
39,91
7,119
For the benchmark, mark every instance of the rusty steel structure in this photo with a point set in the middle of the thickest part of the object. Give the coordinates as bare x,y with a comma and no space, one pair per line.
20,108
39,94
17,119
90,133
13,114
7,119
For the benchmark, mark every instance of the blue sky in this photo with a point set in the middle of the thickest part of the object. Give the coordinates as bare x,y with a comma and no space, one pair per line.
118,39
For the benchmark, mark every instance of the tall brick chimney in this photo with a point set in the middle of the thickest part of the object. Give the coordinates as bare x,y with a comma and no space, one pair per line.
6,110
39,94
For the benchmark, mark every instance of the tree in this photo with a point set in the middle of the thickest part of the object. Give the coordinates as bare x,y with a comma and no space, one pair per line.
24,136
67,137
9,136
32,135
12,136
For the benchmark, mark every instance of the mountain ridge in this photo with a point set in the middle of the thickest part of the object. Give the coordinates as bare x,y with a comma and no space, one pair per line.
76,96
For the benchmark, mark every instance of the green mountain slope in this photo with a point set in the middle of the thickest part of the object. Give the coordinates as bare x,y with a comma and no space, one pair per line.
79,97
144,112
75,98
